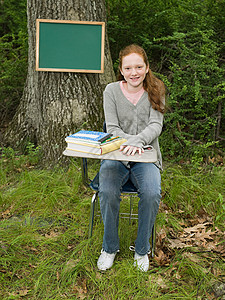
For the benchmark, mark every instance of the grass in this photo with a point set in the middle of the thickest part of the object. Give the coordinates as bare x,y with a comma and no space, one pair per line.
45,253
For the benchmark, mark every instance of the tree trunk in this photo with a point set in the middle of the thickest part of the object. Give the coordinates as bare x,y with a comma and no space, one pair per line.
55,104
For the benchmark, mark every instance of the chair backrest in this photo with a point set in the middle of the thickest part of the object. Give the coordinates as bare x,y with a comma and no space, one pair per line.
104,127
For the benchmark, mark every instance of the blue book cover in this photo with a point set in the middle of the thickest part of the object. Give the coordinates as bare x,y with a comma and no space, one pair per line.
91,136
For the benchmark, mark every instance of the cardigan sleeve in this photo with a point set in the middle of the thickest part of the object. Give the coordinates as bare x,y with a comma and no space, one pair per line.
152,130
149,131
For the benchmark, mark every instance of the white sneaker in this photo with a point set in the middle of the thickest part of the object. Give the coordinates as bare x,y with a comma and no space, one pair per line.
105,260
141,262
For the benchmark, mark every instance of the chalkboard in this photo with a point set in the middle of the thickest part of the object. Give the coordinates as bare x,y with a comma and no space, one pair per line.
70,46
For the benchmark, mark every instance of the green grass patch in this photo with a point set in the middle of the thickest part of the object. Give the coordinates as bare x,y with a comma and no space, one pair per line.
45,253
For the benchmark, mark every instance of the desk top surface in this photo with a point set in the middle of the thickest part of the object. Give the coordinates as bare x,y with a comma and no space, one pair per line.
147,156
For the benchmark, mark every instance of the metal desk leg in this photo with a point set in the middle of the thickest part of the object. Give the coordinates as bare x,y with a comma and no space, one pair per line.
153,239
84,168
92,214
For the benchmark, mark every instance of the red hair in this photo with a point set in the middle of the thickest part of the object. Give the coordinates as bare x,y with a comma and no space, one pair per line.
151,84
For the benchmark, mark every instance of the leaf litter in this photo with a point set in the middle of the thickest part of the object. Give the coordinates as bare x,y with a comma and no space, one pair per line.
202,237
199,243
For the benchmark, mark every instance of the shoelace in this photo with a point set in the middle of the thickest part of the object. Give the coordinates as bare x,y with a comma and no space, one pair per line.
107,252
132,248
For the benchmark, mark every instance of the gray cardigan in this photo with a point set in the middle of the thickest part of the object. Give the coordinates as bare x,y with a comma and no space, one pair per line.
141,124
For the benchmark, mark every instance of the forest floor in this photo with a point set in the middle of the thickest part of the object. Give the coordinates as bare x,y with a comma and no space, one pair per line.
45,252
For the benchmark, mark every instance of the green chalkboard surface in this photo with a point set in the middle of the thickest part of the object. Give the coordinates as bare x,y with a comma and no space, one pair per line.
70,46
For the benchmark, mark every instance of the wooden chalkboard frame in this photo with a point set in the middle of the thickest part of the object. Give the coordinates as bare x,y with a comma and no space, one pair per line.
99,27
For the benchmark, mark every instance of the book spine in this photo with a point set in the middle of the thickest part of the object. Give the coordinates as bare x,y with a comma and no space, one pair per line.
112,146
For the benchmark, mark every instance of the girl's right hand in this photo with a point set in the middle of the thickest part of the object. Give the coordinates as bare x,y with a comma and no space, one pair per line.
131,150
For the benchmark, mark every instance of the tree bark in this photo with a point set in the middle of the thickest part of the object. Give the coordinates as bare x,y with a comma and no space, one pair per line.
56,104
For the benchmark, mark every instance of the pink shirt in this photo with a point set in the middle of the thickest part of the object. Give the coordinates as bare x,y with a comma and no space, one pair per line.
132,97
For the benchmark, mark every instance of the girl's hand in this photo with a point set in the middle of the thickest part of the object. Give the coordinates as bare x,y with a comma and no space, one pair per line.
131,150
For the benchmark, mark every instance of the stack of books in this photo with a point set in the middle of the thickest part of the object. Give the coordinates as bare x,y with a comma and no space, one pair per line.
93,142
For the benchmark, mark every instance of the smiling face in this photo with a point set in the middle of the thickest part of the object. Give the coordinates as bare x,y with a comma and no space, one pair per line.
134,71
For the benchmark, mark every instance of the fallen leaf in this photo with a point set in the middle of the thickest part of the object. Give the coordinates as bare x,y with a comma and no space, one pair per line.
3,271
71,264
80,289
177,243
177,275
33,249
203,236
195,228
7,213
52,234
216,272
192,257
161,258
80,232
23,293
161,282
161,235
57,276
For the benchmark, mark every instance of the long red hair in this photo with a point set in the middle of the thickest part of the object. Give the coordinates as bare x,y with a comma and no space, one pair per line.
151,84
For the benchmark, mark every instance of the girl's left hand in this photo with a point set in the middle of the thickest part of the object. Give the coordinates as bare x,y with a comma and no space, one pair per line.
131,150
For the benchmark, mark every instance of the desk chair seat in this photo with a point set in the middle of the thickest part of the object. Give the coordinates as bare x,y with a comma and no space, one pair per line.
128,188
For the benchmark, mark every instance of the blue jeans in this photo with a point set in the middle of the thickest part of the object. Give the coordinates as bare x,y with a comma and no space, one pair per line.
147,179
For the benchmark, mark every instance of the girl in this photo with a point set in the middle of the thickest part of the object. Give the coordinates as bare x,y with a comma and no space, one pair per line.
133,108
